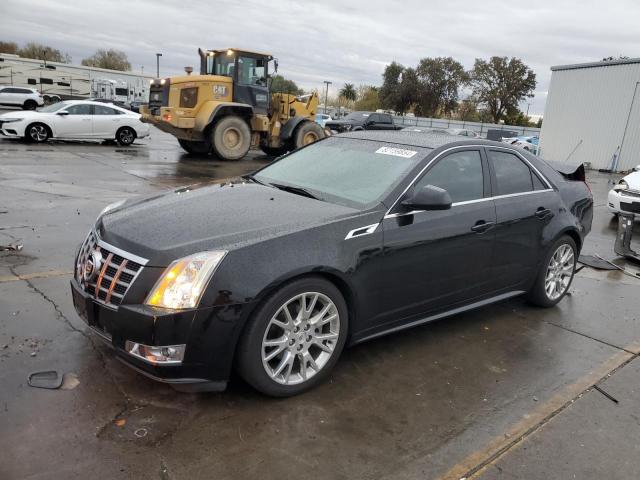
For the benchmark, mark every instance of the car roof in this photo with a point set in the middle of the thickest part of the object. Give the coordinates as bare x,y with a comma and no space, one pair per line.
417,139
93,102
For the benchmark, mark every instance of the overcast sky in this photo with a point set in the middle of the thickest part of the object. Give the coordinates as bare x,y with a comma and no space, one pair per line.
336,40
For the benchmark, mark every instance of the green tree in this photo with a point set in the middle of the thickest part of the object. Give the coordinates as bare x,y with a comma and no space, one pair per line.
279,84
43,52
389,91
501,84
468,110
110,59
348,92
408,91
9,47
440,81
368,98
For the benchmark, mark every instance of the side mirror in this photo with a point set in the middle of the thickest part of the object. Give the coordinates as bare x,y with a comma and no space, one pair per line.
428,197
62,113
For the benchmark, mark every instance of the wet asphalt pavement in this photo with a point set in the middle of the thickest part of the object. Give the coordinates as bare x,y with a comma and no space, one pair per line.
501,392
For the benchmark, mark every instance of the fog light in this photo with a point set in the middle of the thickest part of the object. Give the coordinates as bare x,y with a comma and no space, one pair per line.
160,355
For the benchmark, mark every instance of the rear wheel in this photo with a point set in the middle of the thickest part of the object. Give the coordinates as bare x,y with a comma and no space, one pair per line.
195,148
29,105
555,274
37,132
231,138
295,338
307,133
125,136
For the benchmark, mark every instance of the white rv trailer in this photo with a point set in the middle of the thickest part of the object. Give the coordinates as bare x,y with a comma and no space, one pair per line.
72,81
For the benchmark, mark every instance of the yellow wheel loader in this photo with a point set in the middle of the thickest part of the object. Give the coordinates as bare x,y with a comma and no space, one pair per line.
229,107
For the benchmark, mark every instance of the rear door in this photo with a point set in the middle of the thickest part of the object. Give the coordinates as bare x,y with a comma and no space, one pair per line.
525,204
436,259
106,121
77,123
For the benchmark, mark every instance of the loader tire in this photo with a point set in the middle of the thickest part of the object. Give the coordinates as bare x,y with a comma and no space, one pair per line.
195,148
276,151
231,138
308,133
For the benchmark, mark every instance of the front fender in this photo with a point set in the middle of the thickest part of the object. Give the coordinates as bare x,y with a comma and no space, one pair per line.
290,126
210,110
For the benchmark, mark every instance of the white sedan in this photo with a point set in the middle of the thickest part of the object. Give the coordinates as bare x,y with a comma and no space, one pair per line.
75,119
624,197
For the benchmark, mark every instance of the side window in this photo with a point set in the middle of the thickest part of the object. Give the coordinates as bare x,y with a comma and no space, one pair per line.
188,97
251,71
374,118
385,119
79,109
102,110
537,183
512,174
459,173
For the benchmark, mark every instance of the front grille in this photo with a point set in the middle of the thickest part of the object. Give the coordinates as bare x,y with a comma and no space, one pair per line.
116,270
630,207
158,97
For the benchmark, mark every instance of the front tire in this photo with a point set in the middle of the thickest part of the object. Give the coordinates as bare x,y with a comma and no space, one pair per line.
308,133
195,148
294,338
125,136
555,274
37,132
231,138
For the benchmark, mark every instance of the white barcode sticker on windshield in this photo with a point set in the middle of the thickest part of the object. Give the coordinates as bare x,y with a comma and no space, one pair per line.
396,152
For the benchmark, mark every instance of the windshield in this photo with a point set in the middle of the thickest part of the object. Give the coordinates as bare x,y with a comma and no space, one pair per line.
359,116
354,173
54,107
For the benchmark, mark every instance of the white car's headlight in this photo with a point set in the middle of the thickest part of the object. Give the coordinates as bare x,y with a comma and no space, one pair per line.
622,185
111,206
182,283
9,120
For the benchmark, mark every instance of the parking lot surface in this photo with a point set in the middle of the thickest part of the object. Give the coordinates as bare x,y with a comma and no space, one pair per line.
505,391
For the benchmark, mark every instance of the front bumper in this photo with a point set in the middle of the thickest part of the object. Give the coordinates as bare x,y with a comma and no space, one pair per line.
209,334
624,202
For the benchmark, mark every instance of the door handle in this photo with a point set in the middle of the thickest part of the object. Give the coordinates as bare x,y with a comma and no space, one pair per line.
542,212
482,226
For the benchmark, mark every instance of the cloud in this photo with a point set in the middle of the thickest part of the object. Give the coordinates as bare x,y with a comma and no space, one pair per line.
333,40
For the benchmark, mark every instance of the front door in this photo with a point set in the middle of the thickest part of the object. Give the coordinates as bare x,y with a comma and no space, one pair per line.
251,83
77,123
434,260
525,204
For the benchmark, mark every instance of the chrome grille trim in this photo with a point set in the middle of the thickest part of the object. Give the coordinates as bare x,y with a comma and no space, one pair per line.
109,288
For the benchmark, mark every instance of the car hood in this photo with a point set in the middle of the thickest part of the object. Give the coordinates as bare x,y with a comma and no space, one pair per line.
165,227
344,122
21,114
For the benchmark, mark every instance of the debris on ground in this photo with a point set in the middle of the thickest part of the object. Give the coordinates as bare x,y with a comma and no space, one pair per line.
11,248
595,262
69,381
51,379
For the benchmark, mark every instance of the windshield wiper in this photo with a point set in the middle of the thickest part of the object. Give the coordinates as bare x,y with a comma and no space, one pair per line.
254,179
297,190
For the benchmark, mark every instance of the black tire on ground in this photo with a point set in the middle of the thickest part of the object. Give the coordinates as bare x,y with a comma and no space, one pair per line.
306,133
249,354
538,293
276,152
29,105
125,136
195,148
231,138
37,132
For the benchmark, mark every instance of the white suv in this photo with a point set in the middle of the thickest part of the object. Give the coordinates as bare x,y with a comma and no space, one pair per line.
27,98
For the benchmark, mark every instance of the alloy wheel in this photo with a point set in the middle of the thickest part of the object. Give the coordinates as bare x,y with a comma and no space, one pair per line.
38,133
559,272
126,136
300,338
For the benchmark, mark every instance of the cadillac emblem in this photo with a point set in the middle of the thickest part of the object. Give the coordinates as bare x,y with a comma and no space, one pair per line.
92,266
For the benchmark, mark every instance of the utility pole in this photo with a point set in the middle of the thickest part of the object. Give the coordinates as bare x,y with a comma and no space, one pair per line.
326,94
528,105
158,55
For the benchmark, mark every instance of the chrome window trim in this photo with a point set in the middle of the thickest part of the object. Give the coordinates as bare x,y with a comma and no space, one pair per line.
367,230
419,174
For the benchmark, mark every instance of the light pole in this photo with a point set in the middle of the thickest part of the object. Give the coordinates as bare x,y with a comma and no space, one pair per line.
326,94
528,105
158,55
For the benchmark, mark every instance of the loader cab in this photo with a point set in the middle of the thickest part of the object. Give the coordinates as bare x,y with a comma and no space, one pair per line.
249,71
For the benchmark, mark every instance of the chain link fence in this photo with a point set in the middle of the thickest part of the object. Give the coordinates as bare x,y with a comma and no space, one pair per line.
480,128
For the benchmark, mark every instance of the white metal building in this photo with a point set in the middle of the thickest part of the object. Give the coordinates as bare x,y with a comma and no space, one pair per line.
72,81
593,114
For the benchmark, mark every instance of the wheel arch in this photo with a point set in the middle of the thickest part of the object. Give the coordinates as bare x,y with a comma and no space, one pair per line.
289,128
46,125
135,132
221,110
574,235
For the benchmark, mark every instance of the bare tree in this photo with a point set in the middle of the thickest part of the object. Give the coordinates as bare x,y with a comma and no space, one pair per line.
9,47
43,52
110,59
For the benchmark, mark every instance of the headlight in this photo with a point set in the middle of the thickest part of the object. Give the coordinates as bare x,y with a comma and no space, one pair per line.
111,206
9,120
182,283
622,185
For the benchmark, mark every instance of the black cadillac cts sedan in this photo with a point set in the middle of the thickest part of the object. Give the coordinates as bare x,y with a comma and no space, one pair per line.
347,239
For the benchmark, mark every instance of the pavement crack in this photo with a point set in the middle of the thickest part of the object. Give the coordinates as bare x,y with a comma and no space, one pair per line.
617,347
